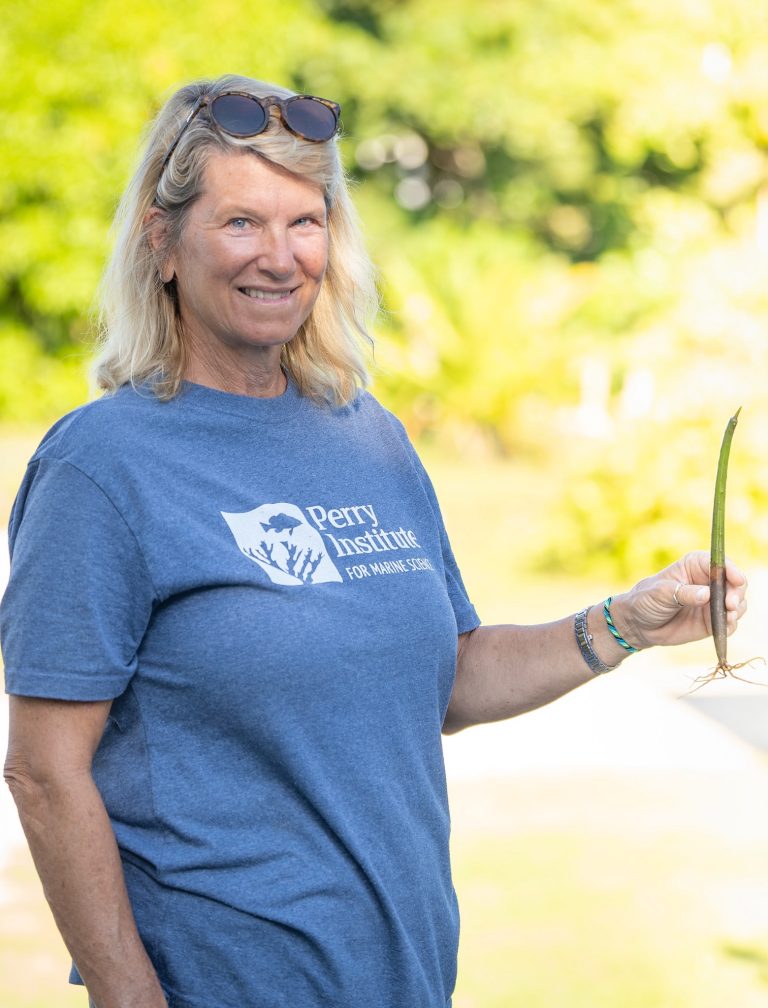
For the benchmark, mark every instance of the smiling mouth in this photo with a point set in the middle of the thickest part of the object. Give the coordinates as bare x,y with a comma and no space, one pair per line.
267,296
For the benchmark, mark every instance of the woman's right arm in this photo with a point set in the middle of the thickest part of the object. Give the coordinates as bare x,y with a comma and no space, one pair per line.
48,770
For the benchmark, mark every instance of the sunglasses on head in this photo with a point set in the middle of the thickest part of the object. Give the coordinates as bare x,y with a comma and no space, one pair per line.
244,115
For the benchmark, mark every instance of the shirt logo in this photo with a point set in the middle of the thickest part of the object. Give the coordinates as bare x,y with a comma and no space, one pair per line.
282,542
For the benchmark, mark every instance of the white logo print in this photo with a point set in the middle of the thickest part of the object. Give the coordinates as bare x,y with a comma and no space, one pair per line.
281,541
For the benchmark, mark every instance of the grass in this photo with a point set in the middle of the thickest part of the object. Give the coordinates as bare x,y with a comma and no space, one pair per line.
598,893
573,894
604,890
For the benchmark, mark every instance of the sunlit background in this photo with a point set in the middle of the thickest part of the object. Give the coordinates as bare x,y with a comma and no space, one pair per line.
568,205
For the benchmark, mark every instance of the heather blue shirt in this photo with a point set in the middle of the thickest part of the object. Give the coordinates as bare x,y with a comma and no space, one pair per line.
265,590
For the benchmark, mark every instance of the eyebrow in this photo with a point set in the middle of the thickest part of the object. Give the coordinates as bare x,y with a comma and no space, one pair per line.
318,209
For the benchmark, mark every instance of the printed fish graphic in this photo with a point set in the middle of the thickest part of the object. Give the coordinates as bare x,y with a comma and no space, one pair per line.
281,522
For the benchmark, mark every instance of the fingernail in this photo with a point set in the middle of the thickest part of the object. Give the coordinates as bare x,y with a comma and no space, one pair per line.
701,594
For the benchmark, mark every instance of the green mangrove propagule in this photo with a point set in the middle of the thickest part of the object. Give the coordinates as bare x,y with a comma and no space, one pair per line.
717,579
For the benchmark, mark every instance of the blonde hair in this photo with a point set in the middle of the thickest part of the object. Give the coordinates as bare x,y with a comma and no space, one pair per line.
140,332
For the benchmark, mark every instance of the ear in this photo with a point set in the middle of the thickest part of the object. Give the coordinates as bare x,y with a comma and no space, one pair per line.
156,229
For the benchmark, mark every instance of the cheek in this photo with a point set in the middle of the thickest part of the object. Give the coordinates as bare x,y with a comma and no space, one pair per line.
322,266
315,259
185,266
210,258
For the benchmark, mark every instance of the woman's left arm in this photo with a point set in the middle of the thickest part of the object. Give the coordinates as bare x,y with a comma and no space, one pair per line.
506,670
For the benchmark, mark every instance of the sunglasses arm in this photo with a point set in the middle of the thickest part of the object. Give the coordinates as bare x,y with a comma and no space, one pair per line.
201,103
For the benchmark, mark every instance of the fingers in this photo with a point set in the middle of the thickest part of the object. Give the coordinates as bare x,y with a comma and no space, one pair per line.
732,623
735,598
735,604
686,584
696,566
735,576
698,595
733,616
689,594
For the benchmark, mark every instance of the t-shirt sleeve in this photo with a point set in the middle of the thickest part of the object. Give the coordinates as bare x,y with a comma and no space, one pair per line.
466,615
79,595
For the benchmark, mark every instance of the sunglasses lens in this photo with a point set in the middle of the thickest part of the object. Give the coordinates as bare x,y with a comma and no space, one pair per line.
239,115
310,118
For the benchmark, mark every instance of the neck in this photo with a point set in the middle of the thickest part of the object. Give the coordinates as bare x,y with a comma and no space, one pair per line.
258,375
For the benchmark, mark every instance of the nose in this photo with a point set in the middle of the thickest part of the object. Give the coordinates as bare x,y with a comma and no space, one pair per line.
276,256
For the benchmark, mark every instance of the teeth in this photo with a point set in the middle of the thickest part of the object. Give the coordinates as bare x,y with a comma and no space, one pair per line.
263,295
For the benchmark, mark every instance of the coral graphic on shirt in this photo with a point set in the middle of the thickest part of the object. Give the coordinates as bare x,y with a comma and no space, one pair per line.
282,542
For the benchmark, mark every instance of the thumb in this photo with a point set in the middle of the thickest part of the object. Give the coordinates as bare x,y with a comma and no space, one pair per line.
692,595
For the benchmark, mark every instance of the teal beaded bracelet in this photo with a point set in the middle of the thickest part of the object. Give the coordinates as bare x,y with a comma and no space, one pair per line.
612,627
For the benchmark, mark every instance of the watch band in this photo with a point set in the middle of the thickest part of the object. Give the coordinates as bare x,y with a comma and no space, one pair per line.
584,640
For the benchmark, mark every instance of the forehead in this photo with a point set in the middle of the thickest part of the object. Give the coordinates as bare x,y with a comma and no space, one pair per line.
247,176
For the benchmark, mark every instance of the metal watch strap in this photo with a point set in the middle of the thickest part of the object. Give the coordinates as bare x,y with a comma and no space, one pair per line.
584,640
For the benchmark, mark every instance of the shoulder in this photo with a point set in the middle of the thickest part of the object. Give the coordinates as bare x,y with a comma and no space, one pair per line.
99,429
81,458
387,435
371,411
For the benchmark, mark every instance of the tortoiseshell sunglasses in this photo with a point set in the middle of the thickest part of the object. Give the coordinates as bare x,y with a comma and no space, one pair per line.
244,115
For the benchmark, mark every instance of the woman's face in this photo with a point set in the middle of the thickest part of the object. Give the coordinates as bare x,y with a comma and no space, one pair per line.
251,259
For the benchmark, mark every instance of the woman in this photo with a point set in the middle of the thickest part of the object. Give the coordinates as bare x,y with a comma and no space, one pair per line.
234,629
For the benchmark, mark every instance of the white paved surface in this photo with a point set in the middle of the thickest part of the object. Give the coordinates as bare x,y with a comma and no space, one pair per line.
632,720
621,722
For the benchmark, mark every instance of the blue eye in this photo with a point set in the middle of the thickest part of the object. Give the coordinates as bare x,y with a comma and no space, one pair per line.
238,223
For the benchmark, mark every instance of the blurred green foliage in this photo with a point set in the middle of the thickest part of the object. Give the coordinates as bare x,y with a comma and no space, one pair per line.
567,202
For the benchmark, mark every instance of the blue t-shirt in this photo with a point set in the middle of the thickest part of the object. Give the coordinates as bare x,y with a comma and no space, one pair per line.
265,590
